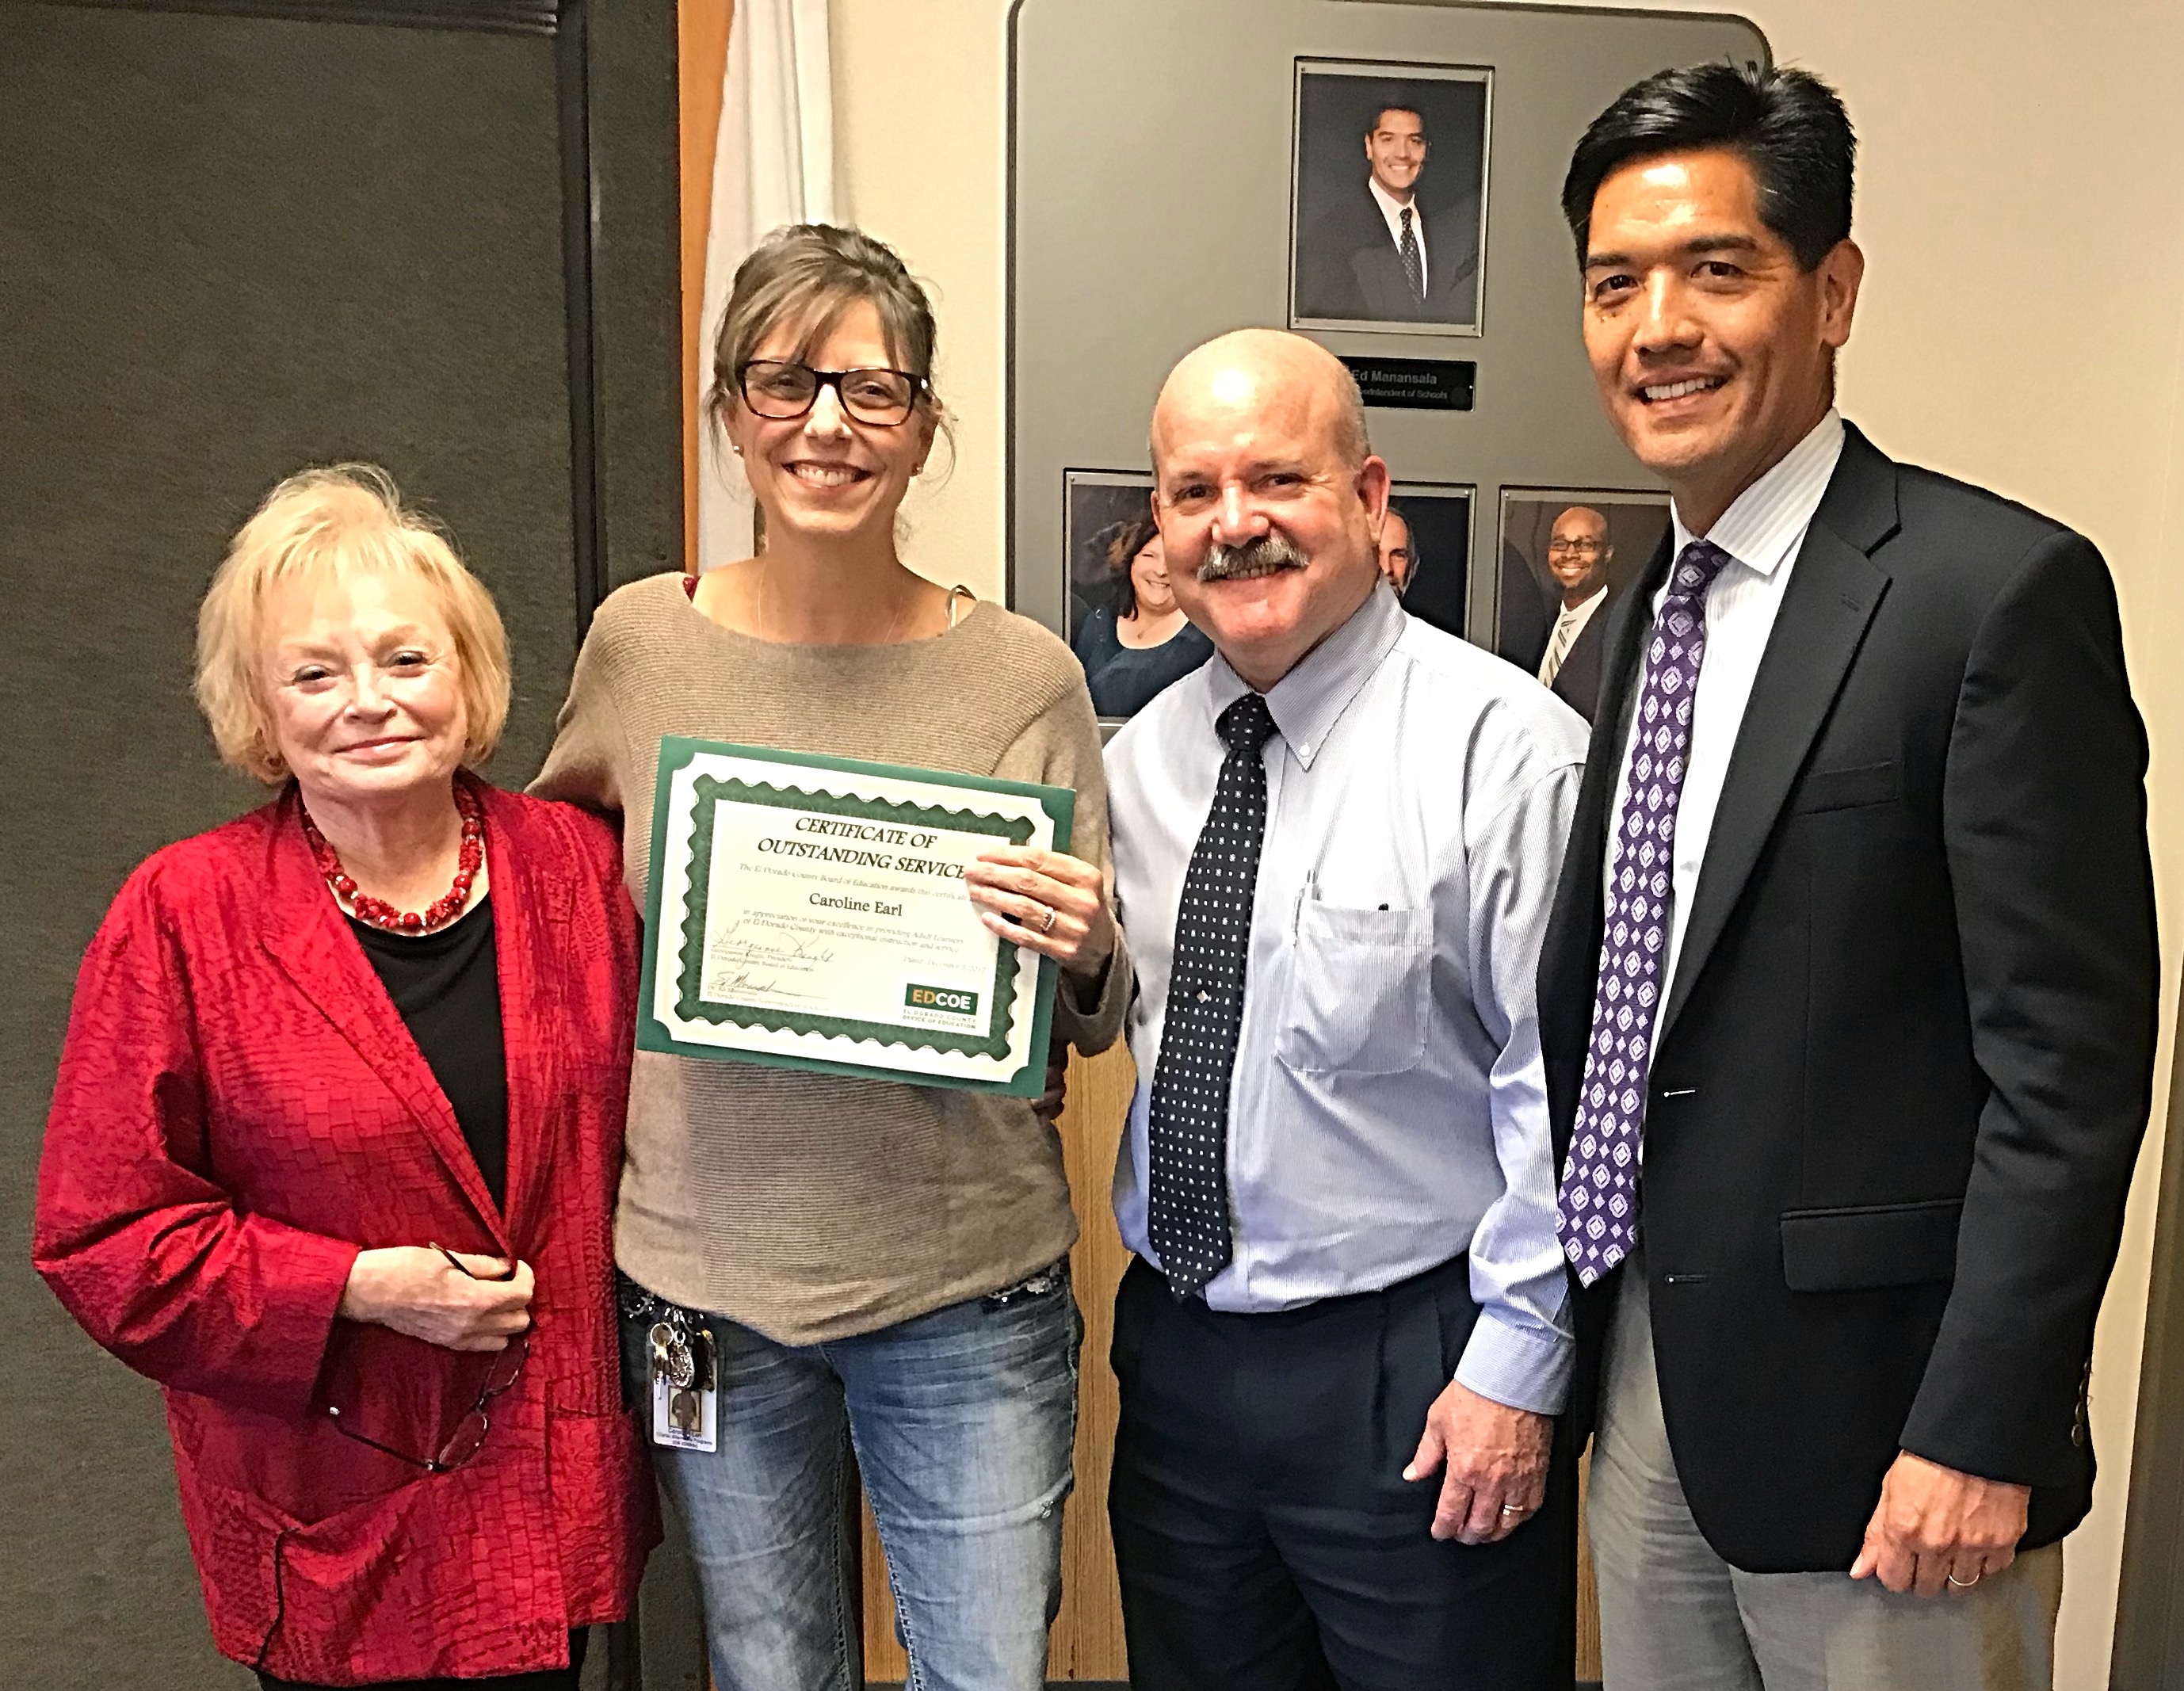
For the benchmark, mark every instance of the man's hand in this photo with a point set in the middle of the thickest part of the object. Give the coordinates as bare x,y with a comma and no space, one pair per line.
1936,1530
1497,1465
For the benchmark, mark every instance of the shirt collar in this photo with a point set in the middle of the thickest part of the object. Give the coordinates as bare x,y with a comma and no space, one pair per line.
1585,606
1765,521
1392,208
1307,702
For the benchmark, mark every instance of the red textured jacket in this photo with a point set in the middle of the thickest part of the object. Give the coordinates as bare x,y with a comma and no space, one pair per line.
240,1110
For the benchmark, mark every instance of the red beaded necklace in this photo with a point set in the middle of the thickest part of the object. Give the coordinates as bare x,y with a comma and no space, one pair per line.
377,912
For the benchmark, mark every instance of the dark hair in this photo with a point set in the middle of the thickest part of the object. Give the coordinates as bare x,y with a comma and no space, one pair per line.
1395,100
1788,125
814,272
1130,539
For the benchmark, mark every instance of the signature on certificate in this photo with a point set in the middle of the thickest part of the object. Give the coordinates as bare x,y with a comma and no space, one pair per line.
744,964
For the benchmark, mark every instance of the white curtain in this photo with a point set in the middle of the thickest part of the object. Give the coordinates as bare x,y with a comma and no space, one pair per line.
773,164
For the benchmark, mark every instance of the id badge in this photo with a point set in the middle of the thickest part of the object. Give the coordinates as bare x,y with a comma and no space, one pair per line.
685,1417
685,1397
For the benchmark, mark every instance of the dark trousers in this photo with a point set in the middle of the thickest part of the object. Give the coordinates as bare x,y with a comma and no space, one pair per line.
546,1679
1265,1538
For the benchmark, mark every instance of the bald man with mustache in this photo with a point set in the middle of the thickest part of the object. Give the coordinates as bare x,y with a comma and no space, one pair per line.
1343,1342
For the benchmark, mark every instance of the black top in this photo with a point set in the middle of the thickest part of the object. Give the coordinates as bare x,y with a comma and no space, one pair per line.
447,989
1124,679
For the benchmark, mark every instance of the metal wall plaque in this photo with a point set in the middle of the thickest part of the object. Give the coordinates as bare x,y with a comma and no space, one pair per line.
1415,384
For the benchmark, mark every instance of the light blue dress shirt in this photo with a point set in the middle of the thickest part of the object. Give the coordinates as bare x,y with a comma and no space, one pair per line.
1388,1110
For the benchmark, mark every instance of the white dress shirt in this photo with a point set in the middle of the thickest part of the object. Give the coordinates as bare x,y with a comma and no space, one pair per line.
1761,532
1573,618
1388,1107
1393,209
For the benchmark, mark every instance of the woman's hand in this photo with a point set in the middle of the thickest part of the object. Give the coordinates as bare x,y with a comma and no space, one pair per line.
1046,901
417,1290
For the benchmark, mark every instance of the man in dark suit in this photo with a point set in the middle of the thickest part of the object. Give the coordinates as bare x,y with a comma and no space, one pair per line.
1523,616
1381,255
1856,930
1578,552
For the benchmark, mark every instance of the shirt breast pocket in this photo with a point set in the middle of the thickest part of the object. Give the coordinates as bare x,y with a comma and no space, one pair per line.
1359,982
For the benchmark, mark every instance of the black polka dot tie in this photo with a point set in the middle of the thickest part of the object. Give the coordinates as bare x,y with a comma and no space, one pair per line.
1189,1117
1414,265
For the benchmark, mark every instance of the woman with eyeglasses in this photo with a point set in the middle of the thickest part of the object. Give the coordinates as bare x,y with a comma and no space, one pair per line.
880,1260
333,1147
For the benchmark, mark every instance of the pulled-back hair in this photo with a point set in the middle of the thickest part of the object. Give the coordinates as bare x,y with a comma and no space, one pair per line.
811,274
1788,125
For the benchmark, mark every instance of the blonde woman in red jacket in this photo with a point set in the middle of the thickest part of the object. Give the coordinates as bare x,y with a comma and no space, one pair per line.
337,1133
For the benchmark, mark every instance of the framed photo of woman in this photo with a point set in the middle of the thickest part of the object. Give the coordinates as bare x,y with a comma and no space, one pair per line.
1125,627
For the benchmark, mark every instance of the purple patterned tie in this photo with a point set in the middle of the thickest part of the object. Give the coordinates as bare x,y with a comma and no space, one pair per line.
1596,1210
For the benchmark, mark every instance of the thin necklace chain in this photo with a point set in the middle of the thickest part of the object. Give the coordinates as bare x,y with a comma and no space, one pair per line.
894,625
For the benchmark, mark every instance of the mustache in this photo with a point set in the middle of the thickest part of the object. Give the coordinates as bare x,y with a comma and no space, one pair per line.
1266,555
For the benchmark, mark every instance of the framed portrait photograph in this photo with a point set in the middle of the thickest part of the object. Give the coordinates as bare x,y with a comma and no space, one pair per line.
1124,625
1567,553
1387,197
1425,550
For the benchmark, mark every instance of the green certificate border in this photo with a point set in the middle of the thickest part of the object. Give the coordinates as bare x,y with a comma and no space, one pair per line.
675,754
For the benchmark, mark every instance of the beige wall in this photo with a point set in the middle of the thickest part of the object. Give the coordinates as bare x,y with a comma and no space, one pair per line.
2021,326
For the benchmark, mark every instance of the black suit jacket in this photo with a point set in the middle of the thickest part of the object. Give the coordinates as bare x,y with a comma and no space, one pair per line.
1907,1057
1349,266
1577,683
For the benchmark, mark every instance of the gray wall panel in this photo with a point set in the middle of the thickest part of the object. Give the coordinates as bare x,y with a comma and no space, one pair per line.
1150,209
229,246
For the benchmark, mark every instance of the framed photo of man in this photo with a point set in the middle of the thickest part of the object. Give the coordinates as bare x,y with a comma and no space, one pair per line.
1566,549
1425,550
1125,627
1387,197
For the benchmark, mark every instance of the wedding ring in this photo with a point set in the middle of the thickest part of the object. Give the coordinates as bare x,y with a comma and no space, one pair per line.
1964,1585
1048,926
1512,1509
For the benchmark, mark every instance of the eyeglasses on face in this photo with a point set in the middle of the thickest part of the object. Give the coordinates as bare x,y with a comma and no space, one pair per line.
1584,547
781,390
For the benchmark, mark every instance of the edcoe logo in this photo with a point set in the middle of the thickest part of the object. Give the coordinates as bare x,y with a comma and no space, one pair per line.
941,998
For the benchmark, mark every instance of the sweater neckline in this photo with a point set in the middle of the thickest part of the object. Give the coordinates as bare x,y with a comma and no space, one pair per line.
688,604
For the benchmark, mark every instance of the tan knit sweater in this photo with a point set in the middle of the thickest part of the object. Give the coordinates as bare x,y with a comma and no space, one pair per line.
813,1206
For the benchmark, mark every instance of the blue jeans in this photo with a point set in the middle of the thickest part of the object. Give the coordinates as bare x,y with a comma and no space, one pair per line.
963,1422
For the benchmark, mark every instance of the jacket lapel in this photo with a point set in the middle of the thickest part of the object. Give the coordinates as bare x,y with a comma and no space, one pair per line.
308,936
531,926
1835,588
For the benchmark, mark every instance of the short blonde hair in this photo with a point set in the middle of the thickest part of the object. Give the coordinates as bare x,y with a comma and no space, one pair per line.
325,524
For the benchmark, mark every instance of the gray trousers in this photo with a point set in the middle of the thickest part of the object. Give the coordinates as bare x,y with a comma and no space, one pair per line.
1675,1616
